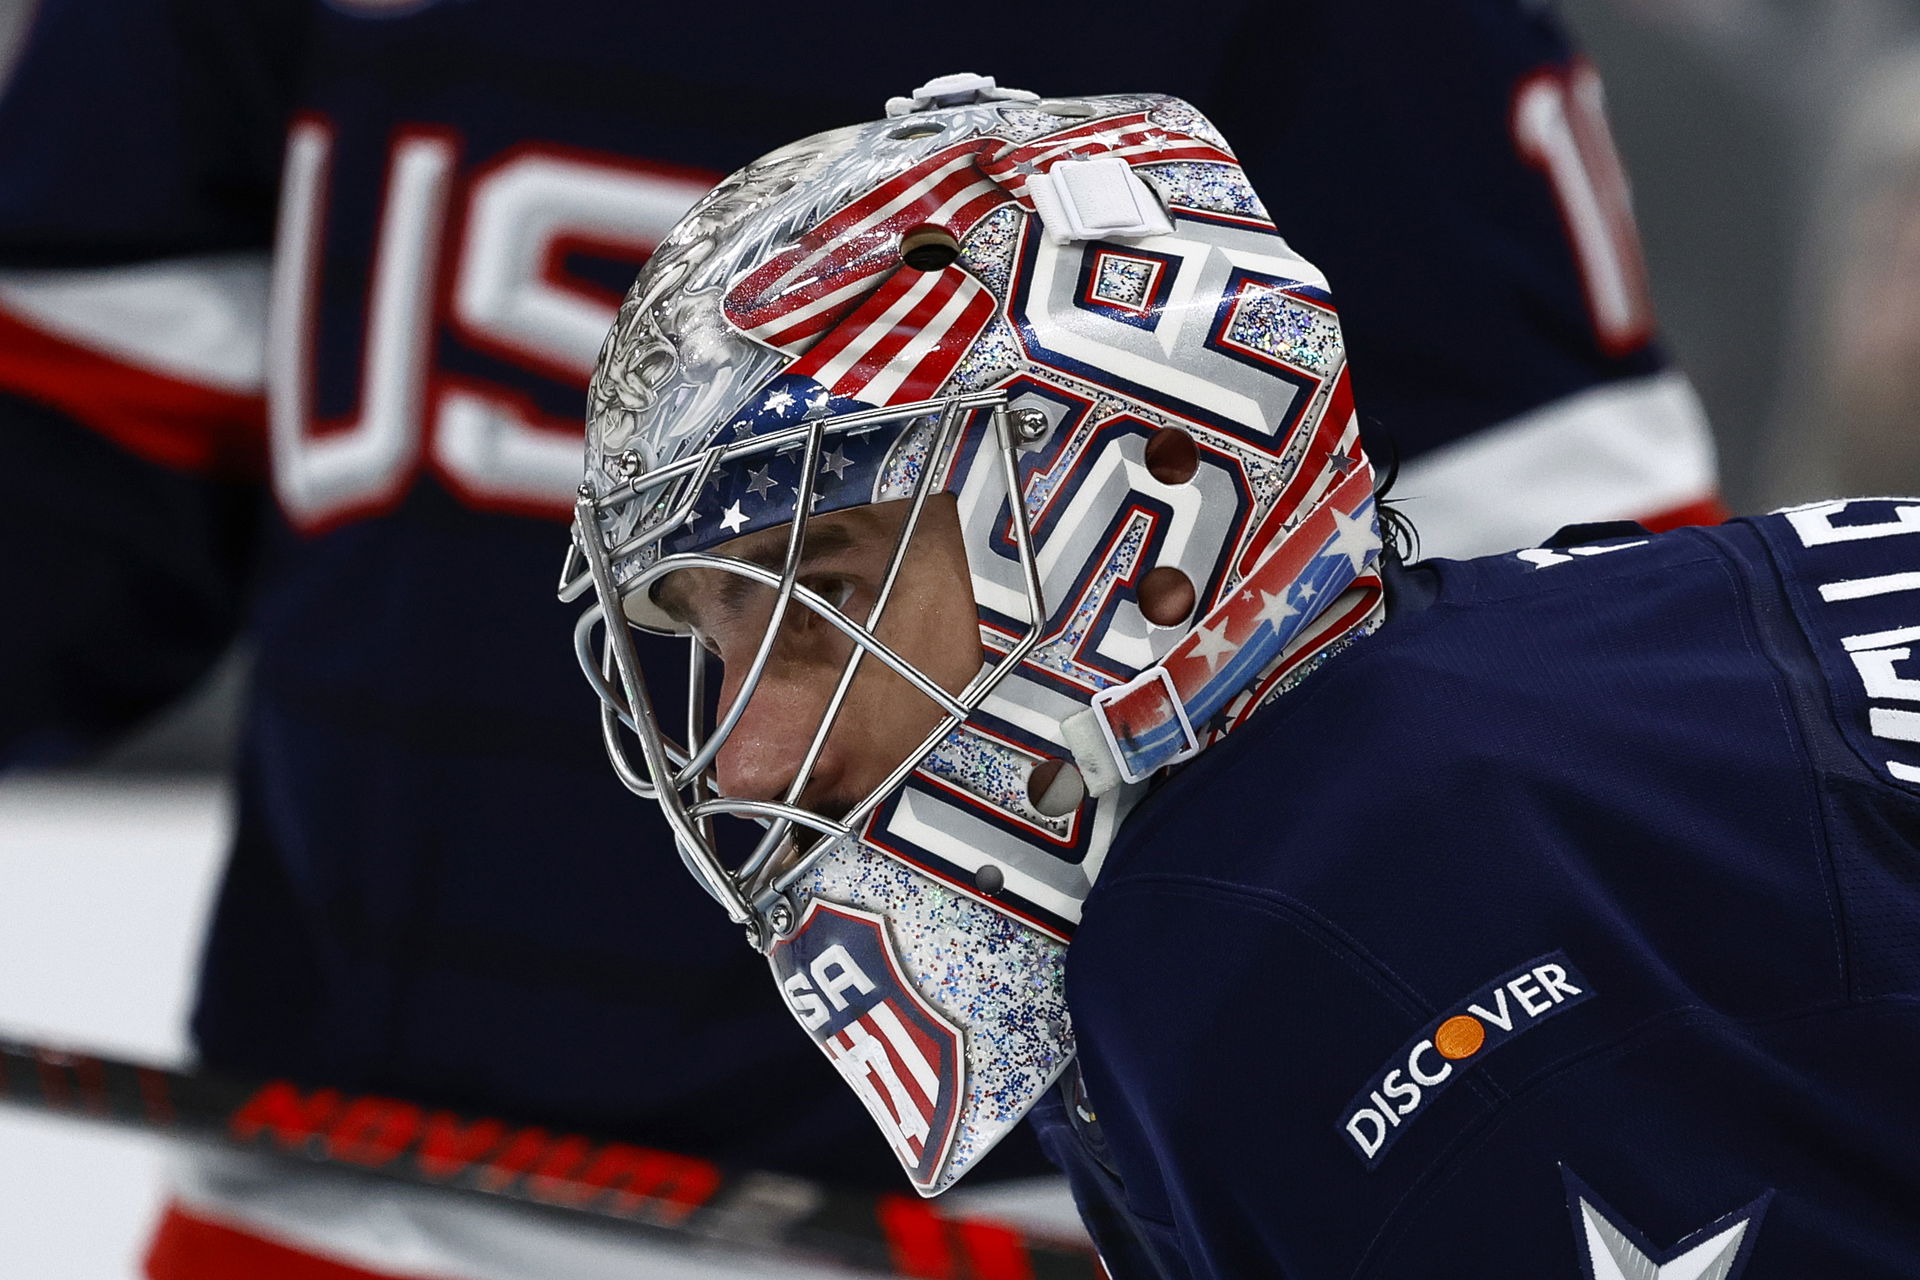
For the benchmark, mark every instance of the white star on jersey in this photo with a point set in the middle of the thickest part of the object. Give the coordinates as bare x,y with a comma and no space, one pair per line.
1608,1254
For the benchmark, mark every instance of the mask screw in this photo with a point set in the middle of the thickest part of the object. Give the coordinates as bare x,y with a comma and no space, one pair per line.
753,934
585,490
781,917
629,463
1029,424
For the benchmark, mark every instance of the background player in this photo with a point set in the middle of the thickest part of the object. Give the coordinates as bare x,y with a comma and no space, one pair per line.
452,194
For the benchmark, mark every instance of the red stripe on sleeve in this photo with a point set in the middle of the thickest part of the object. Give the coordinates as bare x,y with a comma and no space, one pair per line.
186,1247
1707,510
164,420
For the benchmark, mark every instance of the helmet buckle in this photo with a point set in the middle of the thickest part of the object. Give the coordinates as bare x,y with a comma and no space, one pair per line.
1144,724
956,90
1095,199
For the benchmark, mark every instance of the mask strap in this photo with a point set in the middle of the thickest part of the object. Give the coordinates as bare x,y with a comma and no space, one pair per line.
1133,730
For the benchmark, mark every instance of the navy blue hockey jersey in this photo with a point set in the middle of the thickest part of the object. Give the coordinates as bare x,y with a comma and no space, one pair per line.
438,889
1569,927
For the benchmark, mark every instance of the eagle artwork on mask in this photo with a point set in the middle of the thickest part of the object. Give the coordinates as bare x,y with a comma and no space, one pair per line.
1072,322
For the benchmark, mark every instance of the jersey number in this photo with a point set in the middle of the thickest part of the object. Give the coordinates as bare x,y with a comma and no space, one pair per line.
1560,128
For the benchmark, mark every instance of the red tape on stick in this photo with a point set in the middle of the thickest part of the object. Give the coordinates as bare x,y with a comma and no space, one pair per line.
661,1193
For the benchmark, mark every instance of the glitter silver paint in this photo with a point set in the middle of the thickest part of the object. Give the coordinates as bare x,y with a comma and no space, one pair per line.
989,248
1207,187
1125,281
994,772
1173,113
1296,333
1000,981
994,357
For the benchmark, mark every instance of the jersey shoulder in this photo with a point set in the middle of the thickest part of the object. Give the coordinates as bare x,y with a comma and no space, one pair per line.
1848,574
1531,884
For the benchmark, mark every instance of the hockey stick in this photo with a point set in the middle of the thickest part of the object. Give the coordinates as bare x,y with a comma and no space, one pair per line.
656,1191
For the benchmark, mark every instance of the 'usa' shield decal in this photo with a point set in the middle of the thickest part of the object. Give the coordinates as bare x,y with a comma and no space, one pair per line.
844,982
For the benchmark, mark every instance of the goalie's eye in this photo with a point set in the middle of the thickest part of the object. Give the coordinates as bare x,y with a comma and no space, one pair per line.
832,588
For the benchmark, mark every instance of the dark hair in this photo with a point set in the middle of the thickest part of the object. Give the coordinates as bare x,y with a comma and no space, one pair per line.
1397,533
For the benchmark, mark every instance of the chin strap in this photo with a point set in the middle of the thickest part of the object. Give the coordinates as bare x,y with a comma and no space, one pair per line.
1309,588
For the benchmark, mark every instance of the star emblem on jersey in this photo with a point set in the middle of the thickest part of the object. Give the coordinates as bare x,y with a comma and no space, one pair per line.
1610,1249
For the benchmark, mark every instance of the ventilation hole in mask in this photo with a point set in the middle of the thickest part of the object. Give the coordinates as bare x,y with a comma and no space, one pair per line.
1172,456
1167,596
989,880
1055,788
1067,110
918,129
929,248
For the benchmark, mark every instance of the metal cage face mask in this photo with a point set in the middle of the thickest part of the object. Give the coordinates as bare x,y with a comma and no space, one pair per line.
1075,320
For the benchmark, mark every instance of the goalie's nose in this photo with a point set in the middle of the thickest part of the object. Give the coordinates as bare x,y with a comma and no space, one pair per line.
766,749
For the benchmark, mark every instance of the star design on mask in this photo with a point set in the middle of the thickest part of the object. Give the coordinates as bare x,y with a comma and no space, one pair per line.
1274,608
1305,592
1213,645
733,519
1342,463
836,462
819,400
779,400
1353,538
760,482
1610,1248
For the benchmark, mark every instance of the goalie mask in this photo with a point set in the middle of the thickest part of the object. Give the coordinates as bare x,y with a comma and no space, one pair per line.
1070,326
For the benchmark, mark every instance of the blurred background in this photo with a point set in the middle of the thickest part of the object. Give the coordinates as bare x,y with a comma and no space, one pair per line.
1774,150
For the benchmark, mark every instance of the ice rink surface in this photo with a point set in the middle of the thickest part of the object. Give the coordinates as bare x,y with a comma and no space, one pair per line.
104,888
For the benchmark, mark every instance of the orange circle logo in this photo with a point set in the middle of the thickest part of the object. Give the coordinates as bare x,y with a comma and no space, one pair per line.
1459,1037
